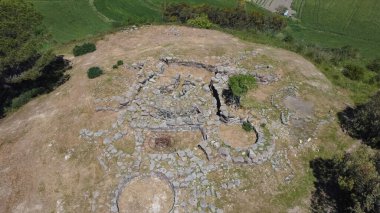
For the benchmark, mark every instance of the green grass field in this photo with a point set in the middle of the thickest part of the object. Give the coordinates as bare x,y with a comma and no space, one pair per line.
339,22
69,20
150,10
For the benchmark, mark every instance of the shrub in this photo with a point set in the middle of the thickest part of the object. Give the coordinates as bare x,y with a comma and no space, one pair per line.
83,49
25,97
120,62
348,183
240,84
374,65
375,80
288,38
236,17
247,126
200,22
114,66
94,72
363,122
353,72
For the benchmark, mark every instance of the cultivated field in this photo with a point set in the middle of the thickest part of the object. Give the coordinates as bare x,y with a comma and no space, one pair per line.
71,19
340,22
272,5
79,19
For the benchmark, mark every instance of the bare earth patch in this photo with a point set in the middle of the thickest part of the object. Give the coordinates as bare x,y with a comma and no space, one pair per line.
146,194
235,136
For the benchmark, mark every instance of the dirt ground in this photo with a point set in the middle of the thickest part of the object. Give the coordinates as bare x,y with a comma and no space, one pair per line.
157,197
236,137
46,167
272,5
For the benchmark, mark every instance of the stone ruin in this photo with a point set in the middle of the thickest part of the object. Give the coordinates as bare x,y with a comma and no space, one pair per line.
182,103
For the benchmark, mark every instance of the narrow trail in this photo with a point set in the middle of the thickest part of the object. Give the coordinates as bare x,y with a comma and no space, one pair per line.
101,16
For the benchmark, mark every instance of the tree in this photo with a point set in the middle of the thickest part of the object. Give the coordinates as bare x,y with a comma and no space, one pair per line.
374,65
363,122
23,66
349,183
21,34
240,84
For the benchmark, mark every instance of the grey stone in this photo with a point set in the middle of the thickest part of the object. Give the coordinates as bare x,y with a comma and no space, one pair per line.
205,183
203,204
132,108
117,136
224,151
175,184
181,154
212,208
107,141
205,149
219,211
191,177
193,201
152,165
169,174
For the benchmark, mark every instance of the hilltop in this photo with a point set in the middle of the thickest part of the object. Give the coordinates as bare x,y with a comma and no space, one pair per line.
158,127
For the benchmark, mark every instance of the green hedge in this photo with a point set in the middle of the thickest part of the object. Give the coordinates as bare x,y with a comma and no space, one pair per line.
94,72
83,49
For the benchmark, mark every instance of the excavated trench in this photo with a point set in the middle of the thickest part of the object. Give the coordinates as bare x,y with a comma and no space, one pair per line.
215,94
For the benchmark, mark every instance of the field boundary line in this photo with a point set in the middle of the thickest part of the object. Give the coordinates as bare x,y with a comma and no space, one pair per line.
100,15
355,9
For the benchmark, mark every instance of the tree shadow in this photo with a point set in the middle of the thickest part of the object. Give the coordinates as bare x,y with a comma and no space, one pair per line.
363,122
51,76
327,196
230,99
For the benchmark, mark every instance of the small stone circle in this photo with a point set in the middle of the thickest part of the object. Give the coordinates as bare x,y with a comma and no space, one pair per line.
147,193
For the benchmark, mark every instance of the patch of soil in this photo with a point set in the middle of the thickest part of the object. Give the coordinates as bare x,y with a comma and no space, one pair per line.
235,136
146,194
168,142
299,106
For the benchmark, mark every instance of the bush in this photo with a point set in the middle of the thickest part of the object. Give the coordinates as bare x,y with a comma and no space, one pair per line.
120,62
200,22
240,84
348,183
114,66
353,72
237,17
83,49
25,97
247,126
374,80
288,38
374,65
363,122
94,72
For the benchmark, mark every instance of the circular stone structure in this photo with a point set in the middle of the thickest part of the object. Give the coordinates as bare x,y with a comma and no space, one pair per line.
147,193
